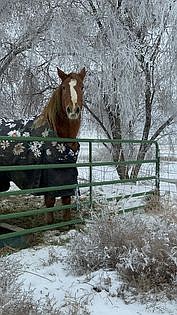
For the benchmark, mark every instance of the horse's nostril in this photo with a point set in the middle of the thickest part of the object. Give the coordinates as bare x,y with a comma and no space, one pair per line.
68,109
78,110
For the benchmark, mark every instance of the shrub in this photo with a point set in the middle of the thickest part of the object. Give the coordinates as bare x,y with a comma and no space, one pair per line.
141,247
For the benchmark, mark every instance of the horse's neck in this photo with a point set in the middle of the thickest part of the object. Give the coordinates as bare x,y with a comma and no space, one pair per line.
67,128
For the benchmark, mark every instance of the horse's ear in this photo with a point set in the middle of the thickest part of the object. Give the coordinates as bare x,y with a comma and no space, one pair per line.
82,73
61,74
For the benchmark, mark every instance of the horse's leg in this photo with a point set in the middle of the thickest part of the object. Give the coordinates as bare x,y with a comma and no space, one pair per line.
66,200
49,202
4,182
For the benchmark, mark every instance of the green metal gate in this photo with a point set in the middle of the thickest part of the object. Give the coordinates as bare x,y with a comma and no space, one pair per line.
90,184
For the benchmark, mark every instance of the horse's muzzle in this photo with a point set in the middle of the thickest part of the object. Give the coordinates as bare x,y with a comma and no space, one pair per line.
73,112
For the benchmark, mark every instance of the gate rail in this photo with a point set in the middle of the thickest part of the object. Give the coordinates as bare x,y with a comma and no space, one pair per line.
90,184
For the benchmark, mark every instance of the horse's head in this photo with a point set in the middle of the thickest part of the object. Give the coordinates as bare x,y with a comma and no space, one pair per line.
72,93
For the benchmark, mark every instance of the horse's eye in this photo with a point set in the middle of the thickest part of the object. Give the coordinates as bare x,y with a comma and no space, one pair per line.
63,87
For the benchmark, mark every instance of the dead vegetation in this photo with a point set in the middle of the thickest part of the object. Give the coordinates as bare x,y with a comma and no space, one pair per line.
142,248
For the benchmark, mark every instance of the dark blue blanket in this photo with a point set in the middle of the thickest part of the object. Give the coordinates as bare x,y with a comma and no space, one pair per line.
34,152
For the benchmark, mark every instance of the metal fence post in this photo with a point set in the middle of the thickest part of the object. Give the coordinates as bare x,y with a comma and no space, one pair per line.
90,174
157,181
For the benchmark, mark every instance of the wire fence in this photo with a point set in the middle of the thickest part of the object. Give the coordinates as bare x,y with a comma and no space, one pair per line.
168,169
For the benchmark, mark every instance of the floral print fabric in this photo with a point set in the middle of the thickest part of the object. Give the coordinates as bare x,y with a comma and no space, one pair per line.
35,152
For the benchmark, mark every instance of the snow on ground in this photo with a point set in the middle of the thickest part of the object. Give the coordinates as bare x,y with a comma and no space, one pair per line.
45,271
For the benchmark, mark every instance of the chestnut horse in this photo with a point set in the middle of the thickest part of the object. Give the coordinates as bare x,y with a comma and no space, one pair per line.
61,117
63,114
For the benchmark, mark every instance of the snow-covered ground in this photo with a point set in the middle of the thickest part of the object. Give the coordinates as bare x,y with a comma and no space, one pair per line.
45,271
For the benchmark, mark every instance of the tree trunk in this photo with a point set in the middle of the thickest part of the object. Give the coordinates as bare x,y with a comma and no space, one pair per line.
118,156
148,117
117,149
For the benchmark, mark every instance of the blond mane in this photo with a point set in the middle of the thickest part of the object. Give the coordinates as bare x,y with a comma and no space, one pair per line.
50,111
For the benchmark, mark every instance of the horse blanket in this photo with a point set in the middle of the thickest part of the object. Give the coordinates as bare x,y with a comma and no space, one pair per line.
35,152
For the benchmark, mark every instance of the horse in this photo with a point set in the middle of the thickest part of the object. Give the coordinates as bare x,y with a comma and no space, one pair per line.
61,117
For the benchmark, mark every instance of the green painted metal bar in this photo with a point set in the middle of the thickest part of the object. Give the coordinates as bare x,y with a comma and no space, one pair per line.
55,188
131,209
69,165
41,228
65,140
35,212
157,182
90,174
133,195
56,225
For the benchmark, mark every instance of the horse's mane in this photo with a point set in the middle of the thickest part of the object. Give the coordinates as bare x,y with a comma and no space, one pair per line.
50,111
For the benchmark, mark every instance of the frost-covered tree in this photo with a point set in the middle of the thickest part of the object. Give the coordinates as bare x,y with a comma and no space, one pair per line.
129,48
134,70
31,48
23,25
35,37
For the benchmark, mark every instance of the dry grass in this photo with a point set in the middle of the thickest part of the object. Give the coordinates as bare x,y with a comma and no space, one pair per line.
154,204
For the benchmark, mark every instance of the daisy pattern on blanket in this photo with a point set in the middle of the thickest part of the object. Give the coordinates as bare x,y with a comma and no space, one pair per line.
16,151
59,151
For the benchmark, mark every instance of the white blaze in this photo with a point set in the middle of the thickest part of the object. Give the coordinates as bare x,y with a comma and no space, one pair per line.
72,84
